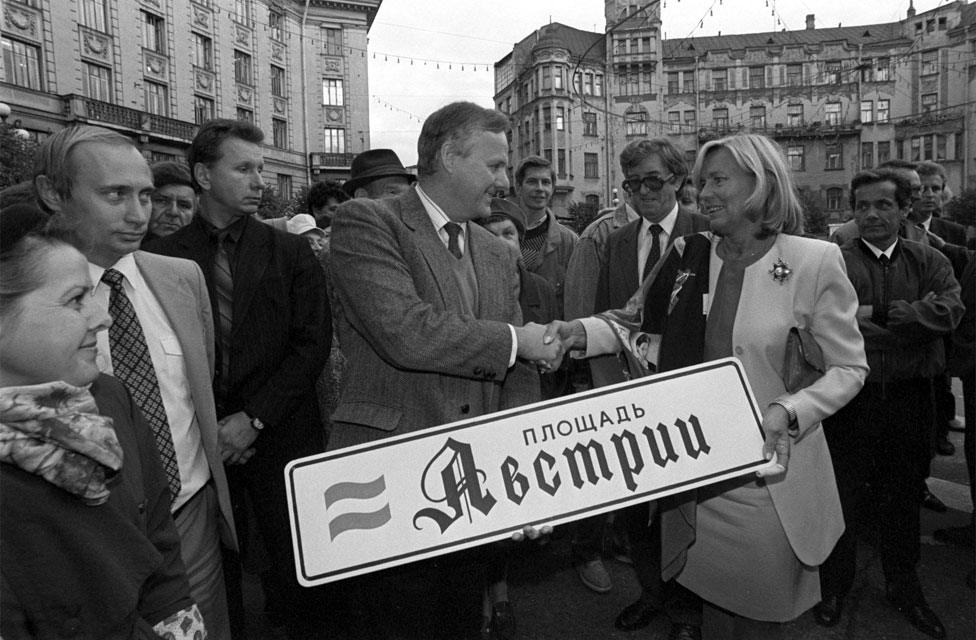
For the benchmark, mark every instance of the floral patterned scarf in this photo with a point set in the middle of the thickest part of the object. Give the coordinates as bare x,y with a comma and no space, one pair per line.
53,430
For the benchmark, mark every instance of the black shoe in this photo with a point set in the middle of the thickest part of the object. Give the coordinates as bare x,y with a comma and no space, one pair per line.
931,502
636,615
684,632
502,626
827,612
918,613
943,447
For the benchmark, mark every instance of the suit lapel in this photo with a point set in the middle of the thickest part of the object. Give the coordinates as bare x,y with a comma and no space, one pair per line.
429,243
169,289
624,265
251,262
489,267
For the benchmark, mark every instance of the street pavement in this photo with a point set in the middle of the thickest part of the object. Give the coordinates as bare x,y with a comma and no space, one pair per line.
551,603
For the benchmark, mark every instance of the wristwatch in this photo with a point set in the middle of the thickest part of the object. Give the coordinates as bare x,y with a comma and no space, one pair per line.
256,424
793,430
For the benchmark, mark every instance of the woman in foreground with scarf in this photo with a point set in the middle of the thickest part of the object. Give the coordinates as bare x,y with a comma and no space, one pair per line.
87,541
751,546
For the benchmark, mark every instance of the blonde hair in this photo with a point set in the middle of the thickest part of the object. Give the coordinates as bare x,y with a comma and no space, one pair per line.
774,201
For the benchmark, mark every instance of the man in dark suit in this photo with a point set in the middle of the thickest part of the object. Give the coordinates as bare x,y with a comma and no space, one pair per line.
428,311
654,171
273,334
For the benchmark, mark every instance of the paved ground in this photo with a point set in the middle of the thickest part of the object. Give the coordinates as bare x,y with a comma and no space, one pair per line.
551,603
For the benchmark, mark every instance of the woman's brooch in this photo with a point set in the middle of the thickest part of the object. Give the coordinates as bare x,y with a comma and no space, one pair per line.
679,282
780,271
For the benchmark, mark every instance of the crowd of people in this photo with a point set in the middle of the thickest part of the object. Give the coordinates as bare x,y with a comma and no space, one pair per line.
165,354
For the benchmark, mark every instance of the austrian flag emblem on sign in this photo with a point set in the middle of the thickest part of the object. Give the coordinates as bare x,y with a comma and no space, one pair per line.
455,486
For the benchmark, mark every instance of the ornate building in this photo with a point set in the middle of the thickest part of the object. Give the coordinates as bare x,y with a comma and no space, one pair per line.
836,99
155,69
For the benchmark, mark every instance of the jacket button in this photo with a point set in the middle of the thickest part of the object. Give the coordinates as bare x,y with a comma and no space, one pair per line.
465,408
738,351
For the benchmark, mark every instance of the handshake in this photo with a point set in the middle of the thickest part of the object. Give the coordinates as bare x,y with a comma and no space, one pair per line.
545,345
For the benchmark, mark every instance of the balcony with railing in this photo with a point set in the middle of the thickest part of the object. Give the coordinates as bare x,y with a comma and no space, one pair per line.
323,160
116,116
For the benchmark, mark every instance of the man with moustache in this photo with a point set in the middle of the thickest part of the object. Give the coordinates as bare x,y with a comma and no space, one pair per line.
98,187
273,326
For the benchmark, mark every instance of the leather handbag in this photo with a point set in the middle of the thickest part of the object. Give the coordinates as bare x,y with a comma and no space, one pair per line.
804,361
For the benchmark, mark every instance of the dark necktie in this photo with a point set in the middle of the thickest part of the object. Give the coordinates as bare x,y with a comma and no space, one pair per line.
132,365
655,253
880,312
224,285
453,231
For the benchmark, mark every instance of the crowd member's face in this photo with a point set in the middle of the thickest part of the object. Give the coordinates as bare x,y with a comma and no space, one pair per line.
916,185
688,200
316,241
109,205
536,189
506,230
877,214
387,187
477,169
172,209
50,333
930,202
652,205
723,191
233,183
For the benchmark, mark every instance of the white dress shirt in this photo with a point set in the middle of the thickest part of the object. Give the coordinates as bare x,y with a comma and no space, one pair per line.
644,239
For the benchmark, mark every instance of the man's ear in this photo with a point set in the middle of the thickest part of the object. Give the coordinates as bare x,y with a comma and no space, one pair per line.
448,156
47,193
201,173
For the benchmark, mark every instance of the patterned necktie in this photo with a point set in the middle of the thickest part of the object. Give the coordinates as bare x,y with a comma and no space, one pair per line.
224,285
132,365
453,231
655,254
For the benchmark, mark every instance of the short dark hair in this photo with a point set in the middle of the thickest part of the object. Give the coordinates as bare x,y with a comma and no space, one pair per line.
897,163
21,268
168,172
929,168
455,122
205,147
319,194
671,156
903,189
533,162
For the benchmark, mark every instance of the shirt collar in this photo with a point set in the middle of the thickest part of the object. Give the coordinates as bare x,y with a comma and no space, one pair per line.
126,265
234,230
878,252
437,216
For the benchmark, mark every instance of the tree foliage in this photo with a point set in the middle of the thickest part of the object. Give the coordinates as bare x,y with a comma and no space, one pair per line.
962,208
814,216
16,156
582,214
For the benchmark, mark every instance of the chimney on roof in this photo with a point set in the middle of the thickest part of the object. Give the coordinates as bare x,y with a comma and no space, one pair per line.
810,21
911,8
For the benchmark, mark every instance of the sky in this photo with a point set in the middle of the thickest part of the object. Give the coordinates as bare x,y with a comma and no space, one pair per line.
427,53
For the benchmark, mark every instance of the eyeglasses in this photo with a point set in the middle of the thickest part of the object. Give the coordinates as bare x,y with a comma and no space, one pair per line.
653,183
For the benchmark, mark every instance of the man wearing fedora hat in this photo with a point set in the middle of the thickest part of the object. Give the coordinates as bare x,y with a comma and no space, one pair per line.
377,173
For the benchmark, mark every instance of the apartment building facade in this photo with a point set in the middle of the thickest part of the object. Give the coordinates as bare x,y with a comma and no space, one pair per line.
155,69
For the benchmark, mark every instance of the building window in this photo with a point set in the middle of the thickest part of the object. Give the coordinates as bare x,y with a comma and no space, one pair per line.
673,82
153,33
203,109
279,133
883,110
332,39
688,82
835,199
720,118
284,186
242,11
97,82
203,55
867,70
560,119
335,140
547,118
929,102
930,62
832,72
940,146
832,114
916,149
884,152
795,157
794,115
547,154
720,79
242,67
93,15
867,155
589,124
598,85
332,92
591,165
674,121
834,157
927,147
690,120
276,22
636,121
21,63
557,78
867,111
578,83
547,78
277,81
943,23
794,75
757,77
883,71
561,163
757,117
156,98
245,115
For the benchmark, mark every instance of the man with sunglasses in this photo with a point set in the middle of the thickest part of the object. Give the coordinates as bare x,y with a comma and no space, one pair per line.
654,171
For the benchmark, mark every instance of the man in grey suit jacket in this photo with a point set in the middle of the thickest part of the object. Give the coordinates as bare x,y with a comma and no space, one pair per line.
428,313
97,185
